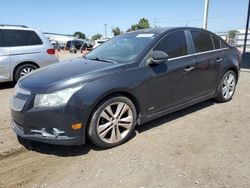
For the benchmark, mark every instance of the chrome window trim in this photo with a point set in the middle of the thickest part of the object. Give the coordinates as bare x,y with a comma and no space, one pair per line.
195,54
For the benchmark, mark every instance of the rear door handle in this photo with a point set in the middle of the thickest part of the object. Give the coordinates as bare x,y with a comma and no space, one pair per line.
188,69
219,59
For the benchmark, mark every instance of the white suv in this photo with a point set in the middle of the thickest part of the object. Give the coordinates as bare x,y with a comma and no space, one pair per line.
23,50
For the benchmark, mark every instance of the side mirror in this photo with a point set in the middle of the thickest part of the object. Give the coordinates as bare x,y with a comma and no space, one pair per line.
159,57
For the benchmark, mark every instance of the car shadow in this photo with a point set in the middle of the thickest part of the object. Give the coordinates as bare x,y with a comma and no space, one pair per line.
69,151
7,85
58,150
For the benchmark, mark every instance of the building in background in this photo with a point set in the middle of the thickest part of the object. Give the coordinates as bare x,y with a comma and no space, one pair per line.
240,36
239,39
59,38
223,35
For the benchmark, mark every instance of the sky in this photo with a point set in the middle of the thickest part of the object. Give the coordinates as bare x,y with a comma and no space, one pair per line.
89,17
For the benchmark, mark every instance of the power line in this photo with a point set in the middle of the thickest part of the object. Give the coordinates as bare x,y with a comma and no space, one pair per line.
157,20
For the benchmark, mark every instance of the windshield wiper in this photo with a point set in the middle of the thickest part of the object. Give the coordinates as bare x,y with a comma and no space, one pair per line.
103,60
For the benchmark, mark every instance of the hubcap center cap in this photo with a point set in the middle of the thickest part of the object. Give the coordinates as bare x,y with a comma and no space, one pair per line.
115,121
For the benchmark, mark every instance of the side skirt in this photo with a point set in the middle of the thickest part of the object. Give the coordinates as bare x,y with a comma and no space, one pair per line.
150,117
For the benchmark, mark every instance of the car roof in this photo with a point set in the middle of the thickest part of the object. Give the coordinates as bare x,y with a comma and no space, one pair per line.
16,27
163,30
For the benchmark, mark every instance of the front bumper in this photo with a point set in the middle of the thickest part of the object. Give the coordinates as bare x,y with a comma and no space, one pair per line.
60,140
48,125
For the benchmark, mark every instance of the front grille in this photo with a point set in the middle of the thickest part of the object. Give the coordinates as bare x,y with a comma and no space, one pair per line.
17,104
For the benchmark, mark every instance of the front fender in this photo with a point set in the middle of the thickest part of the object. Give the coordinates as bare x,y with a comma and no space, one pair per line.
128,81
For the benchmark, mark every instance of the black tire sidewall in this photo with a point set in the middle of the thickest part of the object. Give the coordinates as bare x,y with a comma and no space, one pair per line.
92,128
17,75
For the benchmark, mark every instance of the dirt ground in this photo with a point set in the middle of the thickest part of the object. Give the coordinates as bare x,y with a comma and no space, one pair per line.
65,55
206,145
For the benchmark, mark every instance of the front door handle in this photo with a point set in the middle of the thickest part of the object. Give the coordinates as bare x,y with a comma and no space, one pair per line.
219,59
188,69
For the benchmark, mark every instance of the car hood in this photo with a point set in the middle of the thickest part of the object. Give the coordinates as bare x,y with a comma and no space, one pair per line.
67,73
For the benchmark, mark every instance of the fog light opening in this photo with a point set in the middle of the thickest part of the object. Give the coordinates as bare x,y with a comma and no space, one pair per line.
52,132
57,132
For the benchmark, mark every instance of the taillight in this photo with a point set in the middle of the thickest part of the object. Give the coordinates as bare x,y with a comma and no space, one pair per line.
51,51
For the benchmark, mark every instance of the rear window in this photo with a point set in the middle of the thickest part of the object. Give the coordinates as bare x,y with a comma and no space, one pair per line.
216,42
2,40
202,41
78,42
223,44
22,38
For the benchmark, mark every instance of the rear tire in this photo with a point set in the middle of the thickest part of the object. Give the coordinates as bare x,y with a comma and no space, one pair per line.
112,122
227,87
23,70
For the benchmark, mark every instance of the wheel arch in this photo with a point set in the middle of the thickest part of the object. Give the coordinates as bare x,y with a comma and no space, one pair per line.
20,64
235,70
107,96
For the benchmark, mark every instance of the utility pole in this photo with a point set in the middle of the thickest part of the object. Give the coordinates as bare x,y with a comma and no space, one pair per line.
155,22
105,26
111,33
206,14
246,32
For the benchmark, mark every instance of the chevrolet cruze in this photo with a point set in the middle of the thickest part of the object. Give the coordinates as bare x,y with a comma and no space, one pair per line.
127,81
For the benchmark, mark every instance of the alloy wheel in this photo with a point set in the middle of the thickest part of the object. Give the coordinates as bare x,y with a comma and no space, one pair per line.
115,122
228,87
25,71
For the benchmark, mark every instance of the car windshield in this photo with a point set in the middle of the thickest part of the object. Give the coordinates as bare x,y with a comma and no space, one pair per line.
122,49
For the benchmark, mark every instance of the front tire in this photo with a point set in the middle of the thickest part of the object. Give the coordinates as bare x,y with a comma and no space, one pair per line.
227,87
112,122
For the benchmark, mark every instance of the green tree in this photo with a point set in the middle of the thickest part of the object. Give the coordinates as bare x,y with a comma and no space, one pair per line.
142,24
96,36
116,31
232,34
79,35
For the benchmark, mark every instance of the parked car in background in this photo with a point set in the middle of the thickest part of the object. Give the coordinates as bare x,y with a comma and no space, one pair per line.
73,49
55,44
74,45
23,50
99,42
131,79
61,46
86,46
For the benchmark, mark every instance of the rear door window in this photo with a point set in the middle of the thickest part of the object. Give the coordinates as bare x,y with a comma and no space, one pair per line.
202,41
216,42
22,38
174,44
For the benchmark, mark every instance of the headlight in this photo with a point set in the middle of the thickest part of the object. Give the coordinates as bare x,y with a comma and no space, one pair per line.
57,98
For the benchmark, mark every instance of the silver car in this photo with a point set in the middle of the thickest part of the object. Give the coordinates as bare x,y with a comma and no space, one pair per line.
23,50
